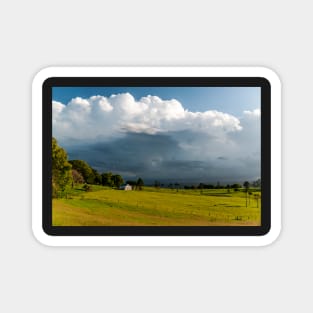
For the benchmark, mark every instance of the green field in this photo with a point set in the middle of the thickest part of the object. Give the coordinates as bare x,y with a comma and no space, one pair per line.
104,206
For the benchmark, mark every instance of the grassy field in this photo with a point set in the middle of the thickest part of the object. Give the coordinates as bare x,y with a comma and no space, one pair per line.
104,206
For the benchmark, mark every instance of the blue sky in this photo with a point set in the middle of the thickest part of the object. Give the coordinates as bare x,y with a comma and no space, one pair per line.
232,100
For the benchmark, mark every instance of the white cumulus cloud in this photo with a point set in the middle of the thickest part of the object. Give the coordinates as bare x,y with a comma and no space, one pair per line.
103,117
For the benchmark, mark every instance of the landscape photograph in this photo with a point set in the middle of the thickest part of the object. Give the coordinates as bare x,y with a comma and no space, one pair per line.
156,156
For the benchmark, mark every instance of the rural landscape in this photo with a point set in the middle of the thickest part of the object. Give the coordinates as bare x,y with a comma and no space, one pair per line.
83,197
156,156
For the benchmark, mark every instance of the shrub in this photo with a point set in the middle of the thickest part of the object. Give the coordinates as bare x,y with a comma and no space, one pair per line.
87,187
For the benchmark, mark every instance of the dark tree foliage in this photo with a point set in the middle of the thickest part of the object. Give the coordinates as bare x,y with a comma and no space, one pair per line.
205,186
86,170
246,184
112,180
97,177
117,180
106,179
139,183
236,186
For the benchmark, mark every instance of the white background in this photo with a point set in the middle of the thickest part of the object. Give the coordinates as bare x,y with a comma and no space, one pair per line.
36,34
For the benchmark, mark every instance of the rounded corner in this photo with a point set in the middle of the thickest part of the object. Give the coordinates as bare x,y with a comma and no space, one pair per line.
41,72
47,82
271,236
270,75
42,76
41,236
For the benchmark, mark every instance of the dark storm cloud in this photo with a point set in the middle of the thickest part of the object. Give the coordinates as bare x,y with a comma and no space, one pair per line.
133,155
161,157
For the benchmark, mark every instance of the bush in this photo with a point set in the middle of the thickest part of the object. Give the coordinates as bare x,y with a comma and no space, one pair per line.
87,187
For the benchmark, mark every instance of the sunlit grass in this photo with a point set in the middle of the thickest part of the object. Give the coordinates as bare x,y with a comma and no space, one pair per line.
104,206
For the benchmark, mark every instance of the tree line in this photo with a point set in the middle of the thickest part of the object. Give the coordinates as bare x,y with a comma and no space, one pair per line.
82,172
68,173
212,186
236,186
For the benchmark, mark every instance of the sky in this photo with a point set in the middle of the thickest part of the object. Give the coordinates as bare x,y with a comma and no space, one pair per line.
226,99
170,134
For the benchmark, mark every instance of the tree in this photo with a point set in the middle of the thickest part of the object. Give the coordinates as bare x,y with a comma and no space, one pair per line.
61,170
139,183
97,177
77,177
117,180
236,187
246,184
84,168
106,179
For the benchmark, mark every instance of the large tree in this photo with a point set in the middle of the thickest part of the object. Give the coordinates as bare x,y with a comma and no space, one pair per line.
86,171
61,170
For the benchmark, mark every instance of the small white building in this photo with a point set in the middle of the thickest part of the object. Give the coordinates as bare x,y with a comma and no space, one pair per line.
125,187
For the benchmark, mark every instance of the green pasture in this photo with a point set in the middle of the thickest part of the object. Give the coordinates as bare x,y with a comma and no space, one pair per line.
104,206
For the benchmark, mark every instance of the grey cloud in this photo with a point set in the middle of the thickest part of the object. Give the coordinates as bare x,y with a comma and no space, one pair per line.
162,157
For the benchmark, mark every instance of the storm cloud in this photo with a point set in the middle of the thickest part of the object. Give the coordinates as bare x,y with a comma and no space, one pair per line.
159,139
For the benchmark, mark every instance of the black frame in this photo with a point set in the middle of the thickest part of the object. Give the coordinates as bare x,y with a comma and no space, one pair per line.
154,82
